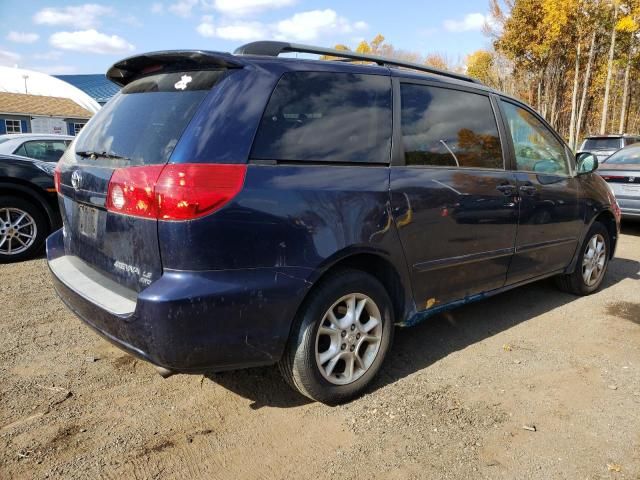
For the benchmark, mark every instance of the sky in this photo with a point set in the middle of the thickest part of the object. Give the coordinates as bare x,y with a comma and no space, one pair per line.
65,37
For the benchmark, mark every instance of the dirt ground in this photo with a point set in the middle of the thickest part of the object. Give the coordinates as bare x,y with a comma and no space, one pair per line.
452,401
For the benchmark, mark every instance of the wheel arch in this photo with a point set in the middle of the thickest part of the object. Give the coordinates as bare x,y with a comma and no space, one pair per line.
31,194
377,265
608,219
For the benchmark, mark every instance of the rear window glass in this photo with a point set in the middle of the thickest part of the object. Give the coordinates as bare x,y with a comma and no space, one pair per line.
144,122
626,155
601,144
331,117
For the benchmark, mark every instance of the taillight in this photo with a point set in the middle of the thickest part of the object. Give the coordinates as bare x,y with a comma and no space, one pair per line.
612,177
131,191
174,192
56,178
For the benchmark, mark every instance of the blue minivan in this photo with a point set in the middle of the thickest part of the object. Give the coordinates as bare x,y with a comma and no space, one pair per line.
232,210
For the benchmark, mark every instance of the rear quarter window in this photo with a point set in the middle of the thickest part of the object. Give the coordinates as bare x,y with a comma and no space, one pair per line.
328,117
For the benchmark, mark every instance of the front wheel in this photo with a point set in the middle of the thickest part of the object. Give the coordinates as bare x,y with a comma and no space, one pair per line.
340,338
592,263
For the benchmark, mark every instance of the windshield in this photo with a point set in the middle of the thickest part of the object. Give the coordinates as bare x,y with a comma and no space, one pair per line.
143,123
625,156
601,144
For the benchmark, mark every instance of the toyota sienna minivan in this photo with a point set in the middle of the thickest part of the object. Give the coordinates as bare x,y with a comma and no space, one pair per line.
232,210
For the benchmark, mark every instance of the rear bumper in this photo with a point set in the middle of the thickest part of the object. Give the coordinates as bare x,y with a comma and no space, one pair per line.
629,207
194,321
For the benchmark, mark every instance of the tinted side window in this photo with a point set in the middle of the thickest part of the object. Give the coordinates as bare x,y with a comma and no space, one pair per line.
447,127
48,151
332,117
536,148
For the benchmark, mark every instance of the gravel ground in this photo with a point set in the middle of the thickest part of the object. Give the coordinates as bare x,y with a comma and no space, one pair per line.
533,383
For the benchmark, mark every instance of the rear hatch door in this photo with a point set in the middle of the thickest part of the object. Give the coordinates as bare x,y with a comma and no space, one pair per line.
139,127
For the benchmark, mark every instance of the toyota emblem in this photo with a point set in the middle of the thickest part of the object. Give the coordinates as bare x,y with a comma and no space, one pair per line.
76,180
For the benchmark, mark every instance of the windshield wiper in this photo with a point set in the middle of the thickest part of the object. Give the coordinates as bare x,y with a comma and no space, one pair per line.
110,155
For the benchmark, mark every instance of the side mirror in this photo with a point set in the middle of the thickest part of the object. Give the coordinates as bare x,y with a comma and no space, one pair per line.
587,162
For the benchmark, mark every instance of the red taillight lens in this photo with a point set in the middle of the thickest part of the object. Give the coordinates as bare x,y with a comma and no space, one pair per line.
131,191
56,178
186,191
174,192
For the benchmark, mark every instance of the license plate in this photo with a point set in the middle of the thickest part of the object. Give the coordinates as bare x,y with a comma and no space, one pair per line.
634,189
88,221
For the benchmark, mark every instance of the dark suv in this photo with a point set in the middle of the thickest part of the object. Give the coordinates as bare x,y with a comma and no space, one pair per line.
231,210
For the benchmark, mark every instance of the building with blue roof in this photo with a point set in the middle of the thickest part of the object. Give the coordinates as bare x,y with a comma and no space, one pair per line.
97,86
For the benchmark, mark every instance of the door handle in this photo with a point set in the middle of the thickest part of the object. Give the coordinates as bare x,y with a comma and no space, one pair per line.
506,189
528,189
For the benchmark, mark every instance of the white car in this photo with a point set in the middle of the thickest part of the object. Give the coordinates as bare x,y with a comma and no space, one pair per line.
41,146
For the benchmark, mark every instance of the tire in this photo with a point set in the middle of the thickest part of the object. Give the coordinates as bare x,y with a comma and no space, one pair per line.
17,244
576,282
304,365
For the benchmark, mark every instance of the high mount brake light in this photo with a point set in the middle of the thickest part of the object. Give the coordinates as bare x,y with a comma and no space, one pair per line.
175,191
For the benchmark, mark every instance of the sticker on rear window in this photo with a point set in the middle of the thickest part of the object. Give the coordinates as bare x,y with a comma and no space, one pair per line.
183,82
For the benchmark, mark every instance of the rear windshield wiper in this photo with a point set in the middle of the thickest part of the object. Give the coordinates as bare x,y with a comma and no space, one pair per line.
110,155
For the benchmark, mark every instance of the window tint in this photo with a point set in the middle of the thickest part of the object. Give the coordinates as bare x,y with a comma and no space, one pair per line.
625,156
536,148
146,119
332,117
20,151
447,127
46,150
601,143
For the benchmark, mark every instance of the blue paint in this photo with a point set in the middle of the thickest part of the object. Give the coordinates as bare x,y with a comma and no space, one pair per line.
223,290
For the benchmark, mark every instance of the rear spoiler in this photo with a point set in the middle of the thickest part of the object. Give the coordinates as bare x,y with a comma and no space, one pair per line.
127,70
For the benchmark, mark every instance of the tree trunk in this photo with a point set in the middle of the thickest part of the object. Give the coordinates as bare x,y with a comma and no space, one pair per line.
607,85
539,95
625,90
585,87
574,101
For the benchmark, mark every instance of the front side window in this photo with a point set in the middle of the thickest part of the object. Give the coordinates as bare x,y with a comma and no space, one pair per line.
536,148
13,126
449,128
330,117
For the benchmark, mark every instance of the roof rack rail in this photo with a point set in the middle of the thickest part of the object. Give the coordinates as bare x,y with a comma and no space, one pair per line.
273,49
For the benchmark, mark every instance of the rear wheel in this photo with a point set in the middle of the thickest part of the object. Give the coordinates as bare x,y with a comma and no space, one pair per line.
592,263
340,338
23,229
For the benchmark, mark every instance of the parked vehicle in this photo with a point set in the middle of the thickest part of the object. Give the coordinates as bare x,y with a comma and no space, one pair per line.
604,145
40,146
292,211
28,207
622,172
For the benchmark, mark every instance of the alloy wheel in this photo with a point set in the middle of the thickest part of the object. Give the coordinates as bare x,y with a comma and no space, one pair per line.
18,231
594,260
348,339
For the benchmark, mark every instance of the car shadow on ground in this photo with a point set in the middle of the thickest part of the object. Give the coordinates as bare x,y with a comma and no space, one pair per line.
629,227
418,347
